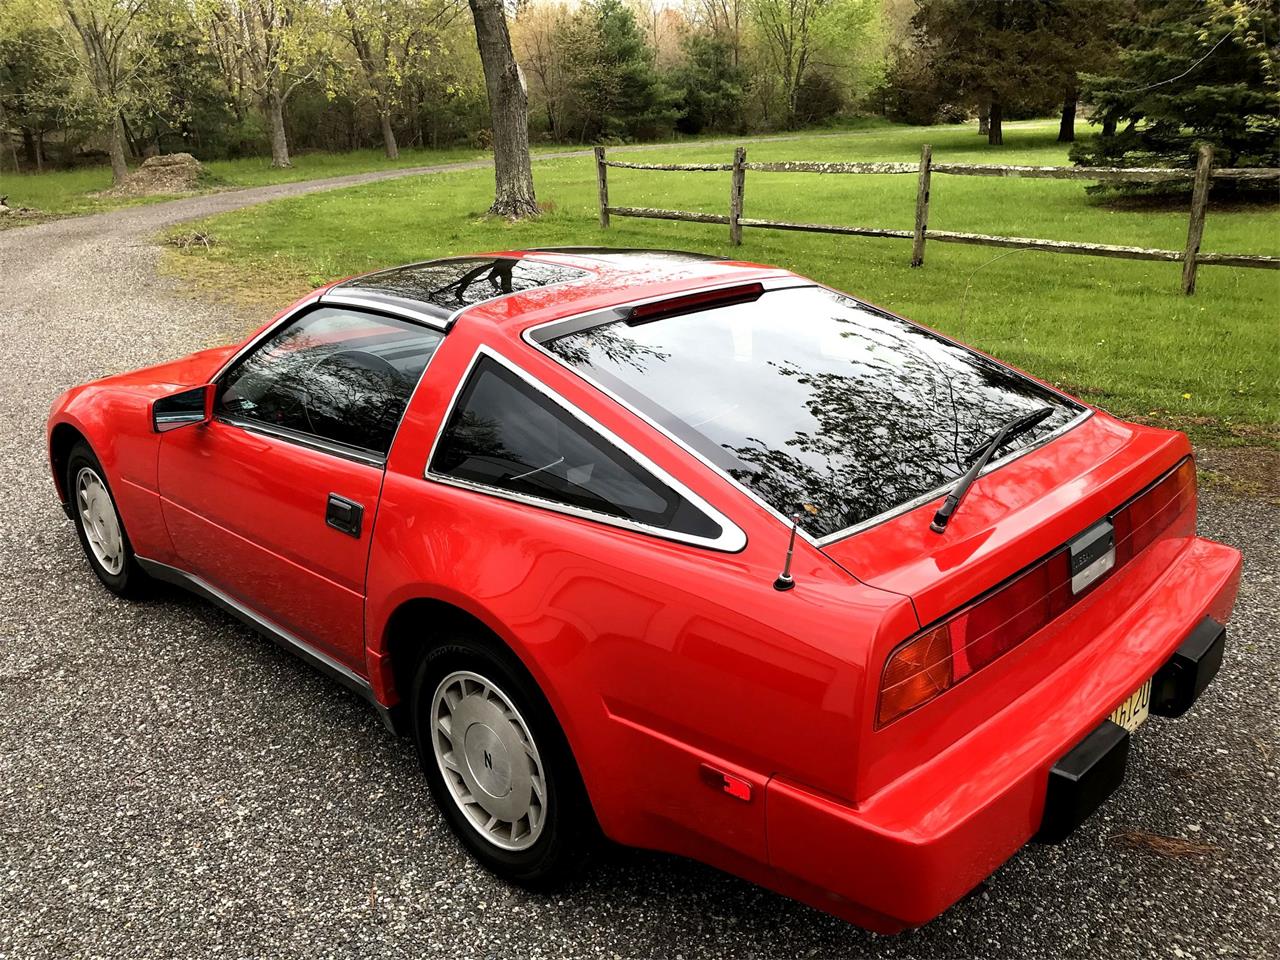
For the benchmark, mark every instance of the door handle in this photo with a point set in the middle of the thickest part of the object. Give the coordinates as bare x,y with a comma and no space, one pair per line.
344,515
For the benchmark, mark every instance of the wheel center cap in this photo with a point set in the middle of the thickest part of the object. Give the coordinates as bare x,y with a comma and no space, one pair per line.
488,759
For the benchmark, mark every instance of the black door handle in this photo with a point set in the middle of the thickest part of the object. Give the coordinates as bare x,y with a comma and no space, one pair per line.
344,515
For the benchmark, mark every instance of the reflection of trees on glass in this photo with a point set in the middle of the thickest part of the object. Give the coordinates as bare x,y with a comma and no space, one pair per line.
337,375
815,399
577,348
453,284
505,435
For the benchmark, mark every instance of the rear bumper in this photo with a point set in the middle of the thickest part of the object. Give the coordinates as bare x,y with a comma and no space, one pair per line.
1094,768
907,853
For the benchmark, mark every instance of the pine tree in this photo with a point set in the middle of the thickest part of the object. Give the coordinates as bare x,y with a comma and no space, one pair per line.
1189,71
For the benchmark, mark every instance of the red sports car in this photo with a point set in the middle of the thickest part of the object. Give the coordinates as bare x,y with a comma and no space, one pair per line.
697,555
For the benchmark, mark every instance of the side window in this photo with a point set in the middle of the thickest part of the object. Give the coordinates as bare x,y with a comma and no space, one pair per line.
336,374
504,434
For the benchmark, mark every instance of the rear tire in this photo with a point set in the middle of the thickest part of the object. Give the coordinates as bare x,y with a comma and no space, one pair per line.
499,766
102,535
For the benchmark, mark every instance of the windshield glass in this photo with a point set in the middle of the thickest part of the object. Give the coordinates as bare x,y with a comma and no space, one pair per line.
807,397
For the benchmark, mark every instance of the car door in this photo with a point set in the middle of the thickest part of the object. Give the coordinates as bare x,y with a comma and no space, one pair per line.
273,501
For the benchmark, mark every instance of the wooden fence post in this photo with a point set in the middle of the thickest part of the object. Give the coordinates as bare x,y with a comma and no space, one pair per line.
922,205
737,188
602,184
1195,230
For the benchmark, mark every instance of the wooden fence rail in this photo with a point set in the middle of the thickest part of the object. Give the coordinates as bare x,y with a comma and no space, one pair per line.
1190,256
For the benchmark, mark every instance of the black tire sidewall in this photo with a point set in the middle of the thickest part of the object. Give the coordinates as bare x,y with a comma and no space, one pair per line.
569,831
128,581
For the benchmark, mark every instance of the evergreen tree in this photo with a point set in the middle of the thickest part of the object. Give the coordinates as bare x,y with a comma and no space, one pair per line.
1189,71
990,52
619,91
711,85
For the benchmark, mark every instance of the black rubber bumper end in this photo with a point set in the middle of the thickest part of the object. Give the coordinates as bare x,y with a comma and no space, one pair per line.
1178,684
1081,780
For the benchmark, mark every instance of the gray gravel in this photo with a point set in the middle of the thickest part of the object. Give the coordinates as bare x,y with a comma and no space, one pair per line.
173,785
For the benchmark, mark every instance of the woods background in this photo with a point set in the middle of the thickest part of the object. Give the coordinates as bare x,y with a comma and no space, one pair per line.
95,81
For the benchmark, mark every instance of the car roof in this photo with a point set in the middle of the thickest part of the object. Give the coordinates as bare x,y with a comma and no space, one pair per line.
541,283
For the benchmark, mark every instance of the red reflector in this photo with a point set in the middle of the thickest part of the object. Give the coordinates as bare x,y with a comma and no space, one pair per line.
692,302
736,787
943,655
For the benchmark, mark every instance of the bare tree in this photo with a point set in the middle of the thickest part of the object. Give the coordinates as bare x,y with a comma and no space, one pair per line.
541,39
277,48
508,111
105,29
389,37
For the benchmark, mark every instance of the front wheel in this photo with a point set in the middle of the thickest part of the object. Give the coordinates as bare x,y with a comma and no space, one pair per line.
498,765
102,534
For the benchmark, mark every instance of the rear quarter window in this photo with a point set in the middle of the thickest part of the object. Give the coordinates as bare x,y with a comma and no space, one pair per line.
506,435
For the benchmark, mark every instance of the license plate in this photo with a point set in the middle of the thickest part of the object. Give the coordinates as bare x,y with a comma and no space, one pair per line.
1133,712
1093,554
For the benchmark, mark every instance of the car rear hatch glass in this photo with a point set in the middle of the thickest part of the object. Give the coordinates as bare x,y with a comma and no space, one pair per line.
814,402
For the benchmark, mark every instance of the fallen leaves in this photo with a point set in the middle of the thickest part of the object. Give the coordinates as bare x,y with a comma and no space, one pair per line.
1172,847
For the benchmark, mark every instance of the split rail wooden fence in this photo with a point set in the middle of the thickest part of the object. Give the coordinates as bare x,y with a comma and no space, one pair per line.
1190,256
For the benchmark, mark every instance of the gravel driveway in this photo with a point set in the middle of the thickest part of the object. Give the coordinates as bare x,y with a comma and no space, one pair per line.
172,785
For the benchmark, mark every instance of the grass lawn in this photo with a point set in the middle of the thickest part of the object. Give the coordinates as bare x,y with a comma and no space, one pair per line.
1118,333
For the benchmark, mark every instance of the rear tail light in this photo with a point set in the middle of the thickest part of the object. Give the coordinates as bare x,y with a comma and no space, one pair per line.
991,626
916,672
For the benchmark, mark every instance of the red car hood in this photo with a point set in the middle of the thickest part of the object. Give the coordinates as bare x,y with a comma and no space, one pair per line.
1012,516
166,378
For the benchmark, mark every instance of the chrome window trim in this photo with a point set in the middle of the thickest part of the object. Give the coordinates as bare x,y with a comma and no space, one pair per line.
401,307
608,315
731,540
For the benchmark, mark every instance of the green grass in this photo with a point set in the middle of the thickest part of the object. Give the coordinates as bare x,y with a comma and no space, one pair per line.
1117,332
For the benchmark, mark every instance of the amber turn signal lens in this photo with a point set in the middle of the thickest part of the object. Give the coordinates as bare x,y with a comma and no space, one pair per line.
915,673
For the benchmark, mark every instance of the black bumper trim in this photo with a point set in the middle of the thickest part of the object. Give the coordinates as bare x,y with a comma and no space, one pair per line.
1079,782
1179,683
1094,768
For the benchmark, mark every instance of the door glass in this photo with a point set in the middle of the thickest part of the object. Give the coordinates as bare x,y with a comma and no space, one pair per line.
335,374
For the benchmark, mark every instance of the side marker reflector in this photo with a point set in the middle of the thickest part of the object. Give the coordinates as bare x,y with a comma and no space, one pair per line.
736,787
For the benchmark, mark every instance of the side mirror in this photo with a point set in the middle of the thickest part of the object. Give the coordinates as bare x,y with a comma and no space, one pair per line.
180,409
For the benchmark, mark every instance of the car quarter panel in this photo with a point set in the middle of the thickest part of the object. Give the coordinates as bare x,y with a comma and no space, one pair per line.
656,656
114,416
945,824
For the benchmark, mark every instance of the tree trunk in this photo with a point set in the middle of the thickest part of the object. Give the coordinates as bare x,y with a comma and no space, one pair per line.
29,146
389,145
279,139
995,135
39,151
984,117
1067,126
508,111
119,166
